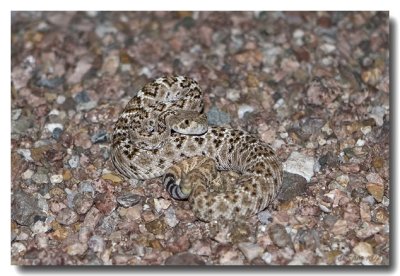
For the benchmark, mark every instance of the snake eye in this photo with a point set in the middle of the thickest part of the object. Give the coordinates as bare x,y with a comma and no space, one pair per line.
186,122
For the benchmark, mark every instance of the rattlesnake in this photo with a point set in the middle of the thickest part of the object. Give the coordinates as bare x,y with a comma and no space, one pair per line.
163,132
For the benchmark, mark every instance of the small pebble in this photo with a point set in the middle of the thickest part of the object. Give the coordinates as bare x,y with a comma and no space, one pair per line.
366,129
156,227
241,232
233,94
82,203
17,248
343,180
279,236
40,227
170,217
292,186
111,63
230,257
56,134
96,243
340,227
86,187
381,215
360,143
82,67
42,241
82,97
60,99
377,113
148,215
26,154
92,218
301,164
250,250
110,176
76,249
184,259
83,106
370,200
161,204
376,190
363,249
70,197
128,200
201,247
49,83
365,212
243,109
265,217
67,216
74,161
133,213
25,208
27,174
368,229
106,202
67,175
298,33
56,178
15,113
378,162
371,76
267,257
375,178
51,127
327,48
40,178
99,137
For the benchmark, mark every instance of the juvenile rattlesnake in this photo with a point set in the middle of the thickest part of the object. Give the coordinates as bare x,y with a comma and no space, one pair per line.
162,131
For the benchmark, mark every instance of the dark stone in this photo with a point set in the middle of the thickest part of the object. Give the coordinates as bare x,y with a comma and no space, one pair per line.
184,259
328,160
56,134
279,236
128,200
99,137
39,217
82,97
49,83
292,185
25,209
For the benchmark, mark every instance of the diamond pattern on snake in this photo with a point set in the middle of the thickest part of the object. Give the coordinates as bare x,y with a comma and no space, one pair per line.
163,132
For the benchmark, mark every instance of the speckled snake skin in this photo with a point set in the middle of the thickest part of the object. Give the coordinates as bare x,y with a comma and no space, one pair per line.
163,132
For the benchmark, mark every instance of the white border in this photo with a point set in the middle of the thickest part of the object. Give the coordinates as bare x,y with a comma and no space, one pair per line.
203,5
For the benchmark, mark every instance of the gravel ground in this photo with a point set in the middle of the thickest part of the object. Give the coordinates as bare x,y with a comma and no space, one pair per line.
313,84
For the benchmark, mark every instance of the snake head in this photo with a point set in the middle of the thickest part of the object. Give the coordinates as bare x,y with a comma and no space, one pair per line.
190,125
